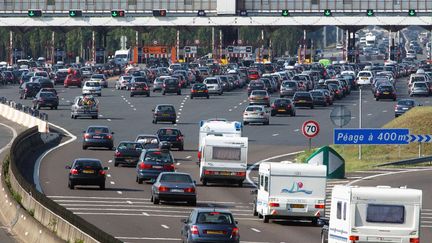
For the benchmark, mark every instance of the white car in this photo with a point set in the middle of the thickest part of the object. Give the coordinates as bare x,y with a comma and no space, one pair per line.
123,82
364,78
411,54
256,114
214,85
101,79
92,88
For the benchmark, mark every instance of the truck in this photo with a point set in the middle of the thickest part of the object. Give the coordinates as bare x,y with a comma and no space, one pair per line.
373,214
290,191
224,159
85,106
122,57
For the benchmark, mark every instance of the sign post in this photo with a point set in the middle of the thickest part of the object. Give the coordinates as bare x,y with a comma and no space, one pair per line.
310,129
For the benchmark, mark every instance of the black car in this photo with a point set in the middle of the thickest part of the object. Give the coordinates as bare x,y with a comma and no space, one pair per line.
127,153
172,136
29,90
152,162
60,76
98,136
319,98
164,113
210,225
171,85
303,99
174,186
139,89
199,90
87,172
45,99
283,106
404,105
385,92
45,83
255,85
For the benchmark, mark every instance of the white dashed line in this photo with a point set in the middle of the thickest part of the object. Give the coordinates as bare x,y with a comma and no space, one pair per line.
244,100
230,110
110,161
62,98
101,115
384,111
68,101
276,134
175,125
178,163
145,214
112,182
108,119
134,109
240,103
369,114
129,202
109,175
180,109
235,107
296,130
179,113
119,192
182,103
132,106
188,157
256,230
181,106
164,226
122,96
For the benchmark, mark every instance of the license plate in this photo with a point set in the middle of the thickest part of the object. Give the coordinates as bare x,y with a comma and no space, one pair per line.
405,108
302,101
224,173
364,78
386,93
88,171
281,110
177,190
157,167
130,160
97,137
214,232
199,91
165,115
297,206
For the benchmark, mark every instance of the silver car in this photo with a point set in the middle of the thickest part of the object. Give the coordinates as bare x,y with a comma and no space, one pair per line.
288,88
101,79
256,114
123,82
419,88
158,83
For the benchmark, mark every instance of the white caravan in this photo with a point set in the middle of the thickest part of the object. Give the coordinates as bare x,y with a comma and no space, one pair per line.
122,57
373,214
290,191
224,159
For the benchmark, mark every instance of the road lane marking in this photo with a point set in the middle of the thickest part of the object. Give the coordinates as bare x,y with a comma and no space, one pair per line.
119,192
145,214
230,110
122,96
256,230
181,106
112,182
276,134
369,114
157,215
241,103
110,161
129,202
179,113
147,238
108,119
178,163
134,109
132,106
296,130
188,157
62,98
100,115
109,175
385,111
164,226
244,100
235,107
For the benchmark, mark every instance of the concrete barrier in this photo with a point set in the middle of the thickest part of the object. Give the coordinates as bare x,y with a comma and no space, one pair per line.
22,118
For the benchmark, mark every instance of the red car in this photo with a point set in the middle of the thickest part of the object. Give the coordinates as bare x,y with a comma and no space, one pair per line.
253,74
73,80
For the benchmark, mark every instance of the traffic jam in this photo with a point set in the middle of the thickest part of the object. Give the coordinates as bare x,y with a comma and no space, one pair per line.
281,88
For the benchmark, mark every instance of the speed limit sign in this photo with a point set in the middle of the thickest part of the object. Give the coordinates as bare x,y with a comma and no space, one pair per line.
310,128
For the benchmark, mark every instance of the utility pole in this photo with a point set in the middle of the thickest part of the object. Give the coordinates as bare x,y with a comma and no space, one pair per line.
360,121
53,47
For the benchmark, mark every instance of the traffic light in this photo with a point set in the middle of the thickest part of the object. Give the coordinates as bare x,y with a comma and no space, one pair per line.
75,13
159,12
117,13
35,13
201,13
370,13
412,12
327,12
285,13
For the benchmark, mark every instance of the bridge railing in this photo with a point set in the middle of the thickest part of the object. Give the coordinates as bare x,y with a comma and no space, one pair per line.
210,6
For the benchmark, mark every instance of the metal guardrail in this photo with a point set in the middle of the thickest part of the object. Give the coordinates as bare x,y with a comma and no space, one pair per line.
20,107
408,161
185,6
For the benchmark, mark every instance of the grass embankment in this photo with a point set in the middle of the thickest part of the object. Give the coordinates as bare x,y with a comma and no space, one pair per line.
418,120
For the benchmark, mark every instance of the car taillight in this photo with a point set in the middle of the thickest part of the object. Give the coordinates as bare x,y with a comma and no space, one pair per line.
199,154
319,206
109,137
414,240
190,190
261,113
169,167
180,138
87,135
118,154
164,85
266,98
206,91
377,92
132,88
240,173
193,91
273,106
25,89
194,230
163,189
102,172
353,238
275,205
74,171
208,172
143,166
235,232
288,106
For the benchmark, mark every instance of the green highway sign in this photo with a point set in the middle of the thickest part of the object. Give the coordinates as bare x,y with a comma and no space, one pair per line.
34,13
285,13
412,12
75,13
117,13
370,13
327,12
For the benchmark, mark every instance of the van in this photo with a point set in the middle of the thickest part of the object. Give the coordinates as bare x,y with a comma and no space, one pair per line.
224,159
218,127
290,191
373,214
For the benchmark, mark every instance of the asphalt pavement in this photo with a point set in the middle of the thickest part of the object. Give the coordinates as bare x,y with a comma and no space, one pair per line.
124,209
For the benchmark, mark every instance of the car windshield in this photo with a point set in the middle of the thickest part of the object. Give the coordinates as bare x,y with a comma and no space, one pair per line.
92,84
199,87
254,108
364,74
288,84
165,109
47,95
259,93
211,81
87,164
386,88
176,178
214,218
158,156
97,77
127,78
140,80
257,84
316,93
130,146
33,85
168,132
420,85
171,81
303,94
97,130
406,102
418,78
282,102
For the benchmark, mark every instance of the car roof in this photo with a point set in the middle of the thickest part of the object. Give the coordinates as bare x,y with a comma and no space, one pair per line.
260,106
164,105
147,135
98,126
205,210
128,142
168,128
176,173
87,159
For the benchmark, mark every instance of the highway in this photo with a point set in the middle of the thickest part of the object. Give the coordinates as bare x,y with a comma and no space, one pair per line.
124,209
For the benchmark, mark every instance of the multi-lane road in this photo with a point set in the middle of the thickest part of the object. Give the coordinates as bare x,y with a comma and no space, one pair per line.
124,209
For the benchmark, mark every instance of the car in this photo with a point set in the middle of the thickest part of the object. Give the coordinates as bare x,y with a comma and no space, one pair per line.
288,88
210,225
173,136
256,114
255,85
45,83
98,136
128,153
385,92
86,171
60,76
123,82
164,113
419,88
319,98
174,187
152,162
158,83
404,105
73,79
45,99
137,79
199,90
364,78
92,88
101,79
303,99
171,85
283,106
259,97
214,85
148,141
28,90
85,106
139,89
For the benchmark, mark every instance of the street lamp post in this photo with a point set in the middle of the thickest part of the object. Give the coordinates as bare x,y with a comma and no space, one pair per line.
360,121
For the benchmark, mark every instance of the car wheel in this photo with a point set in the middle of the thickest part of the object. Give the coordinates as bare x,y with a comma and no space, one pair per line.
191,97
260,216
156,200
323,238
66,86
131,95
56,107
240,184
208,96
116,164
25,96
139,180
376,98
192,202
99,95
174,122
151,198
71,185
163,93
148,94
254,212
272,114
394,99
245,123
84,147
312,107
204,182
21,97
267,123
266,218
102,186
178,93
293,114
181,148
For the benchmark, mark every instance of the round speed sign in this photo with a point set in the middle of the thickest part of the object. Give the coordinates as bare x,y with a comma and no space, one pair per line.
310,128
